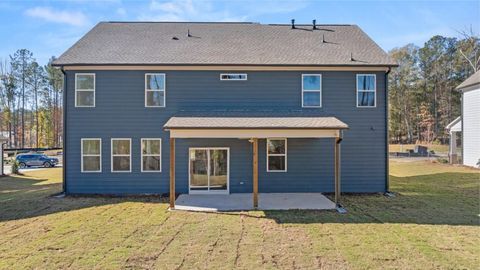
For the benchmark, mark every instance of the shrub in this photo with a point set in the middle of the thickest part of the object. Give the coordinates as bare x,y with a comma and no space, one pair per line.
442,160
15,167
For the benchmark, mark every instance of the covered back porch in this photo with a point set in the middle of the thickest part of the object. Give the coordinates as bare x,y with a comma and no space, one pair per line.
253,129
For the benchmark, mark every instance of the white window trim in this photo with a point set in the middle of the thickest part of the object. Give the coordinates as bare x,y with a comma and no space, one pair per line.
150,155
156,90
90,155
85,90
320,90
190,191
120,155
221,75
374,91
268,155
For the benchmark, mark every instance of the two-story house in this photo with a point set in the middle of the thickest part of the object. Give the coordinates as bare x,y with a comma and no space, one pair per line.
219,108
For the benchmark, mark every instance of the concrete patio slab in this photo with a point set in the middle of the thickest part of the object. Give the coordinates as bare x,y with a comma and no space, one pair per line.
244,201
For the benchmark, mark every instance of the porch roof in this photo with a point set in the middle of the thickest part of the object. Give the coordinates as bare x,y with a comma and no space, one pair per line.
254,123
254,127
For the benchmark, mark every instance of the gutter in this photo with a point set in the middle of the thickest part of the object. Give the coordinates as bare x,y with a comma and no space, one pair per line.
64,133
387,165
221,64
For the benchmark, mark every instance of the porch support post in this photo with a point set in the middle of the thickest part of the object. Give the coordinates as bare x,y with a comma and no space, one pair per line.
337,170
172,173
255,172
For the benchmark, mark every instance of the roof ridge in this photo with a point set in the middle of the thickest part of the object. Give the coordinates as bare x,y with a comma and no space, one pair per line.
180,22
256,23
308,24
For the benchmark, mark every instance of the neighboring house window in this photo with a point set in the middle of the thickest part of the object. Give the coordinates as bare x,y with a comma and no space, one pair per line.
121,155
91,155
151,155
312,90
366,90
276,155
84,90
233,77
154,90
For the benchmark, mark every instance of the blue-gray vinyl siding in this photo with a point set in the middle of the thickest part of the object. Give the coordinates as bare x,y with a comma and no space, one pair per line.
120,113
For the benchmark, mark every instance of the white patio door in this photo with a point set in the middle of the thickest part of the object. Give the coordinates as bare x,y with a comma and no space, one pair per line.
209,170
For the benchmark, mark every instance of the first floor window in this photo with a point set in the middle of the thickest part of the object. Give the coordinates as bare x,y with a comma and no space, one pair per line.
154,90
276,155
311,90
121,155
84,90
151,155
366,90
91,155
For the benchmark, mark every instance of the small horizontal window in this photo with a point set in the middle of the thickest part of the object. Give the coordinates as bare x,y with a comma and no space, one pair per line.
233,77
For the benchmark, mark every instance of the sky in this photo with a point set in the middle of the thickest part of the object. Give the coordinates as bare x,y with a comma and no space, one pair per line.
48,28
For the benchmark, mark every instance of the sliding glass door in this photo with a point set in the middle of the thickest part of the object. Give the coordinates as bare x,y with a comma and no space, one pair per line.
209,170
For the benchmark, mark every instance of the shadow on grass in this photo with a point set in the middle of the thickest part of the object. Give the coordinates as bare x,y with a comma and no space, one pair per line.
22,197
443,198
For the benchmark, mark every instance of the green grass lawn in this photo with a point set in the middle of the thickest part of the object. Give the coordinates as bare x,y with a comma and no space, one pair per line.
433,222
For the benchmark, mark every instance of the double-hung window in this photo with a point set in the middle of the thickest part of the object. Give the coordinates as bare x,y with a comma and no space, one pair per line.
312,90
276,155
121,155
84,90
151,155
154,90
366,90
91,155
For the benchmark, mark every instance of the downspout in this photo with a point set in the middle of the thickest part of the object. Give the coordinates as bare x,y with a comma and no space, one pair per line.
387,168
461,119
64,125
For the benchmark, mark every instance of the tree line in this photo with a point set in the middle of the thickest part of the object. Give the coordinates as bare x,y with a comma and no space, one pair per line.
422,96
30,102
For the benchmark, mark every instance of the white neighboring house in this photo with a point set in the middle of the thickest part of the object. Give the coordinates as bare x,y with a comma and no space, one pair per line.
470,120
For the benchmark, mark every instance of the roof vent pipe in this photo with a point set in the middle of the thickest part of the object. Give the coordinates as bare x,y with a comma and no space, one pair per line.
314,24
188,33
293,23
351,57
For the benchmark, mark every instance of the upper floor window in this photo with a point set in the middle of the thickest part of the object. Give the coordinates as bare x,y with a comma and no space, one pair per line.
276,155
84,90
154,90
366,90
233,77
91,155
121,155
312,90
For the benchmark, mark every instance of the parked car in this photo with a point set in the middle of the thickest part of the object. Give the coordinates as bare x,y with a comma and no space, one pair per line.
27,160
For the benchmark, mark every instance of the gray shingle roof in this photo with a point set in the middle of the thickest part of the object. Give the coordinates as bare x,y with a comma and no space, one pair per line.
152,43
470,81
254,123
